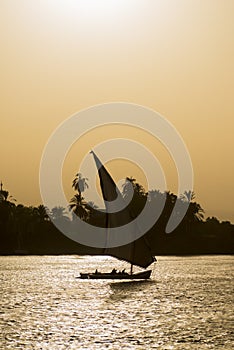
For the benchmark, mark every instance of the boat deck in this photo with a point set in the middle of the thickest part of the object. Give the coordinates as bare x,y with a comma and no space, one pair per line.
116,276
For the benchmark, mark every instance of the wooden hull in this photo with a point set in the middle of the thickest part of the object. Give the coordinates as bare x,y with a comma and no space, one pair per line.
116,276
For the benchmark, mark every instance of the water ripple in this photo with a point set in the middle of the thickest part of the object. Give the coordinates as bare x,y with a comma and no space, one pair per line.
187,305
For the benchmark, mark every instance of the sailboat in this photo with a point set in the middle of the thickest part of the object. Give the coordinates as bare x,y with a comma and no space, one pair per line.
138,252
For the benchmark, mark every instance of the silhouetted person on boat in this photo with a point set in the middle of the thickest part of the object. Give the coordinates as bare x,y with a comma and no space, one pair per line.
114,271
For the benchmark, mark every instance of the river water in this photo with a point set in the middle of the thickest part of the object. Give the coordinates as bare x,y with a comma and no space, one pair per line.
188,304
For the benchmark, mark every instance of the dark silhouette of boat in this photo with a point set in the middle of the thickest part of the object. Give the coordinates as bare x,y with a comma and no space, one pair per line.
138,252
116,276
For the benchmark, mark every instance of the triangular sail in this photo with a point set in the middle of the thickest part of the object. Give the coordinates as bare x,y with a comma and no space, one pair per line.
137,252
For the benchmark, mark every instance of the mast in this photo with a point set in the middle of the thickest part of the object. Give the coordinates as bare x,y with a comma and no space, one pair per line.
132,256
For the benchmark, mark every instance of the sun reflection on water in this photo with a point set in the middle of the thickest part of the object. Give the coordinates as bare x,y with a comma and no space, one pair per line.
186,305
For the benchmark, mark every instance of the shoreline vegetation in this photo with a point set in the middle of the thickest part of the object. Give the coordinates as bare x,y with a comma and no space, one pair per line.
28,230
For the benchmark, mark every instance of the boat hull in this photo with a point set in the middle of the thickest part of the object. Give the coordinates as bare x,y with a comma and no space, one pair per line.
116,276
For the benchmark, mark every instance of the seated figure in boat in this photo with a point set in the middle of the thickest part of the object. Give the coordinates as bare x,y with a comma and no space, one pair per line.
114,271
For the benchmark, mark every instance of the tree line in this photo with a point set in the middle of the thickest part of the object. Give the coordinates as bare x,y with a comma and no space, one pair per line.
29,229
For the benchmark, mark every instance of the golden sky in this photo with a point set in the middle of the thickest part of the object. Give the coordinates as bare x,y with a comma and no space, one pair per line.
176,57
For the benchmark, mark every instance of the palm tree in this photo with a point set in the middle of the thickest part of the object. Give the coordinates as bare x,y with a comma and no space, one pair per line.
6,207
135,194
24,221
188,196
79,206
138,189
4,197
59,213
92,205
41,213
80,183
195,213
157,200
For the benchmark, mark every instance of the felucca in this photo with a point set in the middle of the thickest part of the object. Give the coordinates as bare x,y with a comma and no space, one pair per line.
138,252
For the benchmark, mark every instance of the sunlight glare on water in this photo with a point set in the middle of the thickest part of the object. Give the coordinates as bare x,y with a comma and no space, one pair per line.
187,304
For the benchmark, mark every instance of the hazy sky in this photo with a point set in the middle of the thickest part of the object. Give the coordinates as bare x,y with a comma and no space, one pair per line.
177,57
